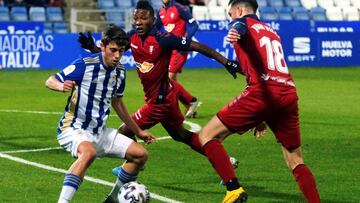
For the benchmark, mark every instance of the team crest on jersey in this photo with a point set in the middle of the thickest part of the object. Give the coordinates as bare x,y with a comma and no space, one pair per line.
172,15
151,49
169,27
145,66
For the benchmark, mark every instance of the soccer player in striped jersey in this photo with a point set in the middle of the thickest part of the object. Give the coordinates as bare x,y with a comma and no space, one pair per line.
96,82
270,96
177,19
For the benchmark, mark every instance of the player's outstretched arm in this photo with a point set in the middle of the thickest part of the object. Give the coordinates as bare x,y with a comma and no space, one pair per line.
231,66
123,113
87,42
54,84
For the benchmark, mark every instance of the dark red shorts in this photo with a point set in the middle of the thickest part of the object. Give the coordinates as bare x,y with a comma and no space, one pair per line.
251,108
177,61
168,114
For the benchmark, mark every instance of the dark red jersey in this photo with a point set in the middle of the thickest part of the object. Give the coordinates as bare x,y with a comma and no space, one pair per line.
152,56
175,17
261,56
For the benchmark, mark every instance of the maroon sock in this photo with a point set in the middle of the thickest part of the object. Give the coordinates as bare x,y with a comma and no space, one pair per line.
195,143
219,160
306,183
184,96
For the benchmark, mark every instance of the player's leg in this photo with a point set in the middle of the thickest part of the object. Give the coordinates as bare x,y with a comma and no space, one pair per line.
81,147
241,114
211,136
191,103
120,146
285,125
302,174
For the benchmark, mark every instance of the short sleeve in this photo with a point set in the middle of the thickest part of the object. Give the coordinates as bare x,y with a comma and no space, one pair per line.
185,13
122,79
239,26
74,72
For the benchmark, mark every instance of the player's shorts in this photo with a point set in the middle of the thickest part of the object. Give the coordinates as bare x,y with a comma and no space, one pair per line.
110,143
167,113
177,61
251,108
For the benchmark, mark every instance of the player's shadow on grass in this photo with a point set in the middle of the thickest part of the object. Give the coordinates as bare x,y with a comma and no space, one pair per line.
275,197
19,142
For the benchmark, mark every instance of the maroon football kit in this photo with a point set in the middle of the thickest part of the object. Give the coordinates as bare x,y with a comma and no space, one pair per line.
271,94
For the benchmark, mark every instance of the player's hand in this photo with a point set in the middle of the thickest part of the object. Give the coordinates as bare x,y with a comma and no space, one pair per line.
68,85
233,67
260,130
146,137
87,42
233,36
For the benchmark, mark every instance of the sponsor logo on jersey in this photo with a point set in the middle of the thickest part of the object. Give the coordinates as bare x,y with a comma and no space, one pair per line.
169,27
145,66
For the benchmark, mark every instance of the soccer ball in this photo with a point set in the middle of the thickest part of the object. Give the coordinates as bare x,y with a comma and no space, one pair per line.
133,192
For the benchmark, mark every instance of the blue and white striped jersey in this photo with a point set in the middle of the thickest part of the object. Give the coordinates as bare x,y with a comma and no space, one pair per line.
88,106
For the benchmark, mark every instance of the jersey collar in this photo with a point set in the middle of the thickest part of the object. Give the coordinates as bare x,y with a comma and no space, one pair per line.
171,3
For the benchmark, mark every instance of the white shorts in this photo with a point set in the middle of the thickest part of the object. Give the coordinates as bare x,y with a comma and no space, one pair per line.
110,143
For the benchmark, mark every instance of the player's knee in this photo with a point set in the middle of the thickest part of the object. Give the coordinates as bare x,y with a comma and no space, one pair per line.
141,156
204,136
88,156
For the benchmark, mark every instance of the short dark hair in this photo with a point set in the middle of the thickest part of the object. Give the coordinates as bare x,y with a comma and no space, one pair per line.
142,4
115,34
252,3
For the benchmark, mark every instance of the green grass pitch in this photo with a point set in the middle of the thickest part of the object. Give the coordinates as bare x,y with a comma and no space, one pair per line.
329,113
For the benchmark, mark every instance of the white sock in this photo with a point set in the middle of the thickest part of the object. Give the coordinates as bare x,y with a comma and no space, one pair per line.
116,188
71,184
66,194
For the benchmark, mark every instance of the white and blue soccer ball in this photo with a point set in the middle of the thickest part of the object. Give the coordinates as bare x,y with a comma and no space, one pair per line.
133,192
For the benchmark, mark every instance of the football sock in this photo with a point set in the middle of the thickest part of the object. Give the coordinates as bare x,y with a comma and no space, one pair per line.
124,177
306,183
195,143
221,163
184,96
71,184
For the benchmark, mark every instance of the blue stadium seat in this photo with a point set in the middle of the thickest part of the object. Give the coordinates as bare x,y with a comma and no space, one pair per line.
157,4
106,4
285,13
60,27
4,14
268,13
318,14
262,3
301,13
116,17
37,14
48,28
276,3
54,14
293,3
123,4
19,13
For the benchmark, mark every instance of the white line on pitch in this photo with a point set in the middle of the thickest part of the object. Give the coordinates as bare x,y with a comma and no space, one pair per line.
88,178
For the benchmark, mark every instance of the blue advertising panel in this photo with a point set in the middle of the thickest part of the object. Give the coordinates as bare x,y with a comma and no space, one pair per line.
213,25
38,51
47,51
284,27
337,26
21,28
